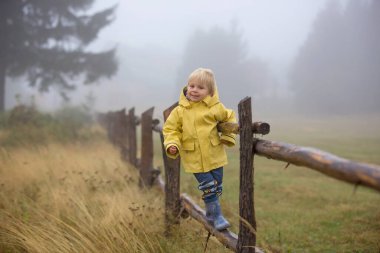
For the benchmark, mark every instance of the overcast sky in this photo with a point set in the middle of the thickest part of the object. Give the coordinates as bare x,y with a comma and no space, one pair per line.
272,29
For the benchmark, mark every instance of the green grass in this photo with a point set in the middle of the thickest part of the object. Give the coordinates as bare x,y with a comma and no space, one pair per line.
25,125
299,209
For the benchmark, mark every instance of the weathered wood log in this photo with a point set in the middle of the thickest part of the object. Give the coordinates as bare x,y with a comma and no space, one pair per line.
156,127
172,184
257,128
247,225
342,169
226,237
132,137
155,122
146,148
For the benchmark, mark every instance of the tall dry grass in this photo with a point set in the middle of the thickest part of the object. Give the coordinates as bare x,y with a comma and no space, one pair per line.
74,198
82,197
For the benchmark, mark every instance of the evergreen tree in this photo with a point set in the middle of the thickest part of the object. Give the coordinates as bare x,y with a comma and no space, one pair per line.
47,40
337,69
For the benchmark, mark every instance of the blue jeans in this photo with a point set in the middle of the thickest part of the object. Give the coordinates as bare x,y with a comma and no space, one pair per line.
210,183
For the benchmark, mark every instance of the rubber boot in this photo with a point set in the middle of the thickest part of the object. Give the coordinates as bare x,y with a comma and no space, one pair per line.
215,217
209,214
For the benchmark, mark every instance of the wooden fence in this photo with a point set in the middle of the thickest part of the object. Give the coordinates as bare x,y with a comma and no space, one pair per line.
121,129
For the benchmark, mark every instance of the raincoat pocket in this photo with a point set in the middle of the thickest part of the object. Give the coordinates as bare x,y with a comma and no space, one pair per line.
188,145
216,152
190,157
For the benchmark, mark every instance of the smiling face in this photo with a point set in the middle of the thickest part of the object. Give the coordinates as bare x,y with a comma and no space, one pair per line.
197,91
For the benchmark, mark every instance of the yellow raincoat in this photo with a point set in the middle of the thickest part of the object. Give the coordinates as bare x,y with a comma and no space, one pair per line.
191,127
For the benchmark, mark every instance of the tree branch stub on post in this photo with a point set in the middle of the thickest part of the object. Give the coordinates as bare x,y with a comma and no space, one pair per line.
247,226
262,128
155,126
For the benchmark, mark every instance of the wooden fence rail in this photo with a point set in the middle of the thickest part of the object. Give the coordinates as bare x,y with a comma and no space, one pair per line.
345,170
121,130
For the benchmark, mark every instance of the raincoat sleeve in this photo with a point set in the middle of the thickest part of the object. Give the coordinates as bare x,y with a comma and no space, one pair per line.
226,115
172,132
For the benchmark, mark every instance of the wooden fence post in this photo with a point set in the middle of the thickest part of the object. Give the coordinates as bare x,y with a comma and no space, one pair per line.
111,126
172,184
146,164
132,138
247,225
122,130
117,128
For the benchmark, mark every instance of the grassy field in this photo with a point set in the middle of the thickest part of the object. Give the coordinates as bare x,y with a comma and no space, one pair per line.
80,197
301,210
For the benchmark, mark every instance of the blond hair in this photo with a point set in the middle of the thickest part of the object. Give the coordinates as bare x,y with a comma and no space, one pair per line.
205,77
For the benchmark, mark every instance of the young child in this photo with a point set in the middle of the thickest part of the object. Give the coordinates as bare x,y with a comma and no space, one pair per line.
190,131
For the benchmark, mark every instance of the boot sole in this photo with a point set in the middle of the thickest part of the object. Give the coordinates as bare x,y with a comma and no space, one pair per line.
223,227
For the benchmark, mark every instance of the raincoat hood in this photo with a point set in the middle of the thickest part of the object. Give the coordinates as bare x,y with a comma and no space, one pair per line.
208,100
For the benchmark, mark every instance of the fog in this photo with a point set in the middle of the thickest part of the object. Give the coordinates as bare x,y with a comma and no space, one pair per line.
294,56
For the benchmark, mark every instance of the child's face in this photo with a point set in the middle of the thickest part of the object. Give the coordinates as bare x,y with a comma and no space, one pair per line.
197,91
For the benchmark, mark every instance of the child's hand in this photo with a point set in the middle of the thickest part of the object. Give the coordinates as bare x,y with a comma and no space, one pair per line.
172,150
